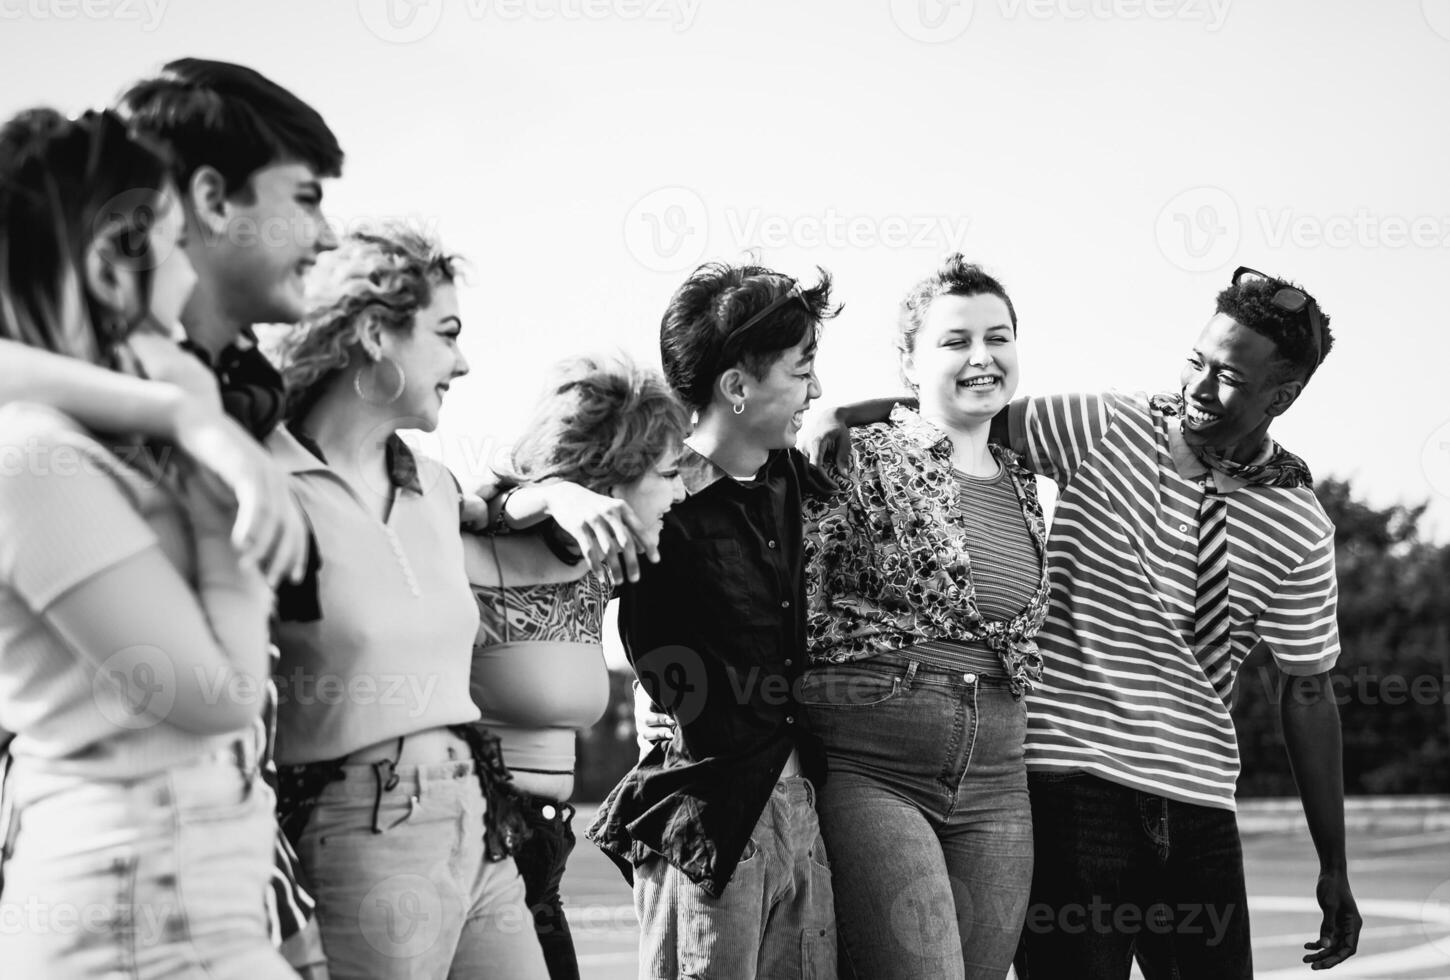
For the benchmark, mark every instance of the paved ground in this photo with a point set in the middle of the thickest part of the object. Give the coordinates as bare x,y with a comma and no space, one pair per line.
1402,883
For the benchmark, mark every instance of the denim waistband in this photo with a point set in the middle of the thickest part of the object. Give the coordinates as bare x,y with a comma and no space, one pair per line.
913,668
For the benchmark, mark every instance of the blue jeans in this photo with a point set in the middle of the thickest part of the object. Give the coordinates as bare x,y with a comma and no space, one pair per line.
925,815
1123,873
158,877
773,921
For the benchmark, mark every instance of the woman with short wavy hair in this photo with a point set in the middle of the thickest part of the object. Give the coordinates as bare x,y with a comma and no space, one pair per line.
388,783
614,428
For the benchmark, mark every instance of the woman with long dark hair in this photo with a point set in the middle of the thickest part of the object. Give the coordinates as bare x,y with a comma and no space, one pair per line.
133,636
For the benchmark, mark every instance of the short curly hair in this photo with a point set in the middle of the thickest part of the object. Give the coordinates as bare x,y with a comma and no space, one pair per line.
382,277
954,277
1250,302
603,422
698,339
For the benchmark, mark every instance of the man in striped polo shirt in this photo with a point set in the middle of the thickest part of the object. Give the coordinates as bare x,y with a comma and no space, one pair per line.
1183,537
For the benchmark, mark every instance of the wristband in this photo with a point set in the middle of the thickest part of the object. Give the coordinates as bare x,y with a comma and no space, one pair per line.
500,522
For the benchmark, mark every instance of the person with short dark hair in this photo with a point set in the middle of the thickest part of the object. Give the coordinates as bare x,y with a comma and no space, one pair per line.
926,585
717,828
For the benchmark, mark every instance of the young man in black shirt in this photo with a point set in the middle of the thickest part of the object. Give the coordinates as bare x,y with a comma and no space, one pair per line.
717,827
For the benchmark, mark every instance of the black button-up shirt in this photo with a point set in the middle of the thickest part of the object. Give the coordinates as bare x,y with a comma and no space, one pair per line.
717,635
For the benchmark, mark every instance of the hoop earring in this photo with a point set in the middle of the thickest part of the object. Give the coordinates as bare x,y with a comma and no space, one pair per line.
739,408
370,393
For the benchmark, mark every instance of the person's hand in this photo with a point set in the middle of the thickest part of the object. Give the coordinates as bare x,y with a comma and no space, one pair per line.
605,529
164,360
651,723
268,527
473,512
1339,932
825,439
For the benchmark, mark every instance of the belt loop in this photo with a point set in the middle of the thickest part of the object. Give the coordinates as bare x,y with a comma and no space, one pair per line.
910,674
387,784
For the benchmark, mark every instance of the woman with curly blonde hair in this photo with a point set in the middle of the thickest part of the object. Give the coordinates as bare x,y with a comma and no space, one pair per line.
388,784
616,429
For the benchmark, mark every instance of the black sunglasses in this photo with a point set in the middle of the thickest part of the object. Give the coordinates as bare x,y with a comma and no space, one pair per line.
1290,299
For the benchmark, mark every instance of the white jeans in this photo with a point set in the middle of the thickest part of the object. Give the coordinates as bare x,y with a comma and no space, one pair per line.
161,877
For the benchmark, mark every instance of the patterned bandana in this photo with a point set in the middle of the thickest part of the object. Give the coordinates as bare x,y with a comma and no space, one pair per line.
1281,469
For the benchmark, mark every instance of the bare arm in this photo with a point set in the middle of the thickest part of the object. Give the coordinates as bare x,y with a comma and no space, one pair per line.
1312,736
186,411
198,665
826,435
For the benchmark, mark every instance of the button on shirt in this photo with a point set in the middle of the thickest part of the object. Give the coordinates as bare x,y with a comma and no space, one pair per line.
391,653
716,633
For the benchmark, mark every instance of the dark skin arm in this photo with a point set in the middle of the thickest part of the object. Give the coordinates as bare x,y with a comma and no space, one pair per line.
1310,718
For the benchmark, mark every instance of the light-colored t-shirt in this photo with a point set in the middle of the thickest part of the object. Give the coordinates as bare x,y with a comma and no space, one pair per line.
69,511
391,654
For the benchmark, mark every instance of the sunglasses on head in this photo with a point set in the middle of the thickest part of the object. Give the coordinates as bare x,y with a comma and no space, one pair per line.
1290,299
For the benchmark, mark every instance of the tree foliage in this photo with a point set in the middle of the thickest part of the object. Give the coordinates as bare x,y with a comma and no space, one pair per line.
1393,675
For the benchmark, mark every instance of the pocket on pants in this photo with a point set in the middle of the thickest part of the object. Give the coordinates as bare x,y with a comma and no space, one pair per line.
818,953
848,686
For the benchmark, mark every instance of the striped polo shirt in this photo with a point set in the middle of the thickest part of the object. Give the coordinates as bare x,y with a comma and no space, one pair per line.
1123,695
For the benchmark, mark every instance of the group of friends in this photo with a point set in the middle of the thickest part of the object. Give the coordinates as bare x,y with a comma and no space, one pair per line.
281,697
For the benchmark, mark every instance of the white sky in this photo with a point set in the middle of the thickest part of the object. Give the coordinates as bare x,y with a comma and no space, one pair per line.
1110,160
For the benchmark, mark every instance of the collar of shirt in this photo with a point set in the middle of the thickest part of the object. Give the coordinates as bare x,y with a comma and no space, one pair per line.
921,433
1190,467
298,453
